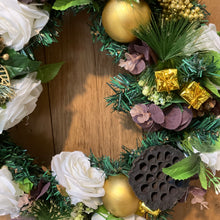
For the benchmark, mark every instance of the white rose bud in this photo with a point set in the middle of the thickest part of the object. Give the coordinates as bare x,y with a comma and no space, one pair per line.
9,194
83,183
19,22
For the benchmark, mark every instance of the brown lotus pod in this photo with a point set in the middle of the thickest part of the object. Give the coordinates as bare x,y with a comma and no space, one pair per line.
156,189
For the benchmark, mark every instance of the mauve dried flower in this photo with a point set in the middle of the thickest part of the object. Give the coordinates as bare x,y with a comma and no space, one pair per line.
140,113
133,63
138,53
151,117
198,195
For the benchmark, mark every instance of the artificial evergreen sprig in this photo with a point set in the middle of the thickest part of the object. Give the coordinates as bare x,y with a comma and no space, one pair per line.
169,39
43,210
113,48
127,93
195,67
203,134
109,166
22,167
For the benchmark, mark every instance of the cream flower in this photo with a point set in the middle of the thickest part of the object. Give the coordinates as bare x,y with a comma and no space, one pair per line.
208,40
9,194
19,22
83,183
212,160
27,91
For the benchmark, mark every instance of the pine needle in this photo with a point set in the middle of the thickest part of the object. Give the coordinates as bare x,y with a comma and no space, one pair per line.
168,38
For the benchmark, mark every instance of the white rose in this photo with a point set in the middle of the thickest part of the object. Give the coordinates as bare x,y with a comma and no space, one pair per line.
83,183
208,40
9,194
19,22
27,91
212,160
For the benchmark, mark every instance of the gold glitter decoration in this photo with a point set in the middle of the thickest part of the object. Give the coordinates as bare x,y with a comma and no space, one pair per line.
195,95
167,80
4,77
143,210
175,9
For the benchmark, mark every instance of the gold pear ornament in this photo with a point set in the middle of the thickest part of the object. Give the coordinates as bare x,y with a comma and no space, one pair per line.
120,200
121,17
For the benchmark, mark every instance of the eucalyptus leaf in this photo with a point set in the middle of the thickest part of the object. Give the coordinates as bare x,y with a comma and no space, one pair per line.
65,4
185,168
48,72
18,64
202,176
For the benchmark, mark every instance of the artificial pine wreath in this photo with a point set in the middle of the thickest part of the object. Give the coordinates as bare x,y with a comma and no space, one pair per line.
170,90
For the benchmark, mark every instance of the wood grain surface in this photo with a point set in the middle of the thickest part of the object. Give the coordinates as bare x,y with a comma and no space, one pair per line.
72,114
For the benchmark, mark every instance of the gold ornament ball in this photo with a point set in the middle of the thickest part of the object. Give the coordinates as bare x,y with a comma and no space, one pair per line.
120,18
119,197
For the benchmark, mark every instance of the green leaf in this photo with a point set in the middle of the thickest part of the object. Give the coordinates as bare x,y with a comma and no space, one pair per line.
185,168
102,211
26,185
209,85
202,175
65,4
49,71
18,64
209,56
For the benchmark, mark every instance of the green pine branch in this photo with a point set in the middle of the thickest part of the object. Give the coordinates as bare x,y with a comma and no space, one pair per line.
22,166
203,134
113,48
168,39
127,93
195,68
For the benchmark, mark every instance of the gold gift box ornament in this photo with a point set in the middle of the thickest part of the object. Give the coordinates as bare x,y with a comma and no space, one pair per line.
195,95
167,80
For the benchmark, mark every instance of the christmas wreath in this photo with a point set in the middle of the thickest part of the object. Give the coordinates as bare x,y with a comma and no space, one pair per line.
169,88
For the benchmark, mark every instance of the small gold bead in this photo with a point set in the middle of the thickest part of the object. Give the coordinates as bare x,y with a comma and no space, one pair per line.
190,17
197,9
187,11
196,16
5,57
177,6
201,16
190,5
193,11
183,7
185,15
187,2
172,6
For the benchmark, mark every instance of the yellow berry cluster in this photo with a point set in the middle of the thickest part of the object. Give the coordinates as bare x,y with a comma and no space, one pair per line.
180,8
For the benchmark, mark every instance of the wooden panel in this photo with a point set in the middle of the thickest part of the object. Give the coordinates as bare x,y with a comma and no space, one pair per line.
80,120
213,7
79,116
34,133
